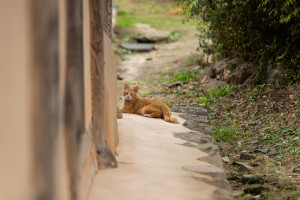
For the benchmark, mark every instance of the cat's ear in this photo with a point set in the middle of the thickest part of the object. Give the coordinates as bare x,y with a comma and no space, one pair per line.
136,88
125,86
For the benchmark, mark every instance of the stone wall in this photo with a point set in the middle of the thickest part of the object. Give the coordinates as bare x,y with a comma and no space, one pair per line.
58,102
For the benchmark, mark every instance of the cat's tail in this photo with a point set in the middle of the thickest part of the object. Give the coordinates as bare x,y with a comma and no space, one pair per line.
168,118
174,120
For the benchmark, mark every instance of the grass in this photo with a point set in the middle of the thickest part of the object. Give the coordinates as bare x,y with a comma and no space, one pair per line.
256,92
129,20
152,13
209,96
184,75
221,91
225,134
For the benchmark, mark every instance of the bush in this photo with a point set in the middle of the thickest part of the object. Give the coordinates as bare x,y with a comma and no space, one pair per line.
263,32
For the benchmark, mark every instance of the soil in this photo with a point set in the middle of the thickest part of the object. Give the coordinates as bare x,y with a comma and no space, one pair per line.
168,57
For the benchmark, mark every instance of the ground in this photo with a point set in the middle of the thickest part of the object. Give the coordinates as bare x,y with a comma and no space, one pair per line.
153,164
243,118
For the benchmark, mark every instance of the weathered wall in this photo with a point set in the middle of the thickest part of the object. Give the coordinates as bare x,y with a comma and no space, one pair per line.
99,65
58,114
15,102
110,94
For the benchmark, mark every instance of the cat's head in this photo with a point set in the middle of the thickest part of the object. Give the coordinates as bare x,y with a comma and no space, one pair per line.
130,94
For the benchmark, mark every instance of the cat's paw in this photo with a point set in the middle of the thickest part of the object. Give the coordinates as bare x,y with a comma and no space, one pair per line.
147,115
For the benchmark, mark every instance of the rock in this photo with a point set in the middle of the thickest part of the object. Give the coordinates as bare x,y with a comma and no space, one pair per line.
214,159
250,179
253,141
196,118
208,147
138,47
243,166
177,83
153,36
255,190
204,128
218,68
241,73
148,34
246,156
209,170
190,111
232,64
222,194
225,159
205,75
195,137
260,150
256,197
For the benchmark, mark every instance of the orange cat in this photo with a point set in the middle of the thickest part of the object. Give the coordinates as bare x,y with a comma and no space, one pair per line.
145,107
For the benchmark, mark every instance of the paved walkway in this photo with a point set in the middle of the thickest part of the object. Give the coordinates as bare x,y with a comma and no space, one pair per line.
150,165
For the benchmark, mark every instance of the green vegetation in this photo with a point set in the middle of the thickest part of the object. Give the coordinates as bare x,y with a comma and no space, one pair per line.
221,91
129,20
175,36
256,91
225,134
262,32
184,75
149,12
210,95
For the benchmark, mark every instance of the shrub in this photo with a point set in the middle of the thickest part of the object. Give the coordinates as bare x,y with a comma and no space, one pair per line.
264,32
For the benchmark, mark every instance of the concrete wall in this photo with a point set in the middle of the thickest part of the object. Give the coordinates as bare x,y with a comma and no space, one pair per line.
53,138
15,102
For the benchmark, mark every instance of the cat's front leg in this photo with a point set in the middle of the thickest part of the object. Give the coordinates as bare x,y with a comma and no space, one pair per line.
126,110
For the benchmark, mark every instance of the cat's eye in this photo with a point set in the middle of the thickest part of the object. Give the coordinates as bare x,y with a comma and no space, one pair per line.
125,93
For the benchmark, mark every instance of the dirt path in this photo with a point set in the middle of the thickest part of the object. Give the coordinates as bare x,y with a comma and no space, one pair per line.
152,162
168,57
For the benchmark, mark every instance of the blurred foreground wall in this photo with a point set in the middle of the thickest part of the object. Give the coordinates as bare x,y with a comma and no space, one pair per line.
58,97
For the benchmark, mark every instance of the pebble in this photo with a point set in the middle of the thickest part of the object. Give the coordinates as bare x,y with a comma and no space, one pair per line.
250,178
246,156
226,159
